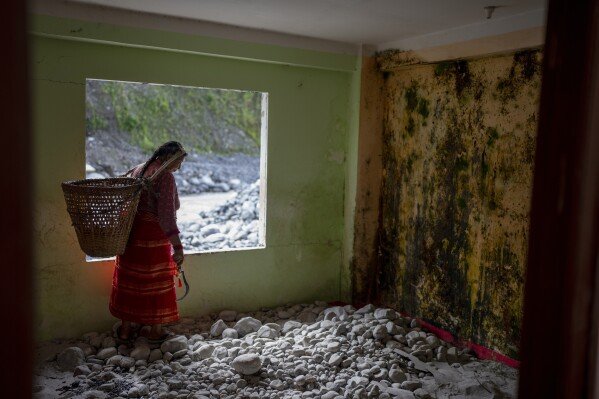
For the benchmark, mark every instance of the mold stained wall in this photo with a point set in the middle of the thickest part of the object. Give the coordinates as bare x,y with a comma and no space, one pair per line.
457,157
311,127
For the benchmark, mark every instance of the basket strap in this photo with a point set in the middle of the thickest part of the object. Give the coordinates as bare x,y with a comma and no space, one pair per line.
130,171
164,166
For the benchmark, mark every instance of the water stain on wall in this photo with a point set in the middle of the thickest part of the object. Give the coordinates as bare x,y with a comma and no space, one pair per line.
458,153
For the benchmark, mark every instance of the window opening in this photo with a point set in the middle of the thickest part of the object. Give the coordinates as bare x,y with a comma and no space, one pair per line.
221,184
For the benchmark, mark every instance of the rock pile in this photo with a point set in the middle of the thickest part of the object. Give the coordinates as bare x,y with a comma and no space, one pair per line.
234,224
203,173
200,173
299,351
231,225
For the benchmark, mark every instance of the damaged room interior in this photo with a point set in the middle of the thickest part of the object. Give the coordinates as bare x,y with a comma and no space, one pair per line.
312,199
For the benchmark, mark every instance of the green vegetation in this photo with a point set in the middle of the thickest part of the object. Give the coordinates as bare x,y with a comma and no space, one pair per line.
207,120
96,122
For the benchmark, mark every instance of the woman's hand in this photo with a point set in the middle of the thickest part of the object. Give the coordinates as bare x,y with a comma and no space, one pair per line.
177,250
178,257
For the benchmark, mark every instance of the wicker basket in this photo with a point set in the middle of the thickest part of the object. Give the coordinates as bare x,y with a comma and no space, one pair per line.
103,210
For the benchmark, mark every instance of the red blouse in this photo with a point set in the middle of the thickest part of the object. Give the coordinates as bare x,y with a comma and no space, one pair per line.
164,201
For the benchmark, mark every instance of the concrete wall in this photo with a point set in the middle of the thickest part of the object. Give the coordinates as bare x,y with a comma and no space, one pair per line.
457,158
312,125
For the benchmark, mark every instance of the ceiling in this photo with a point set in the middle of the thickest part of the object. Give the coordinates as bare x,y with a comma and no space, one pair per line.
406,24
350,21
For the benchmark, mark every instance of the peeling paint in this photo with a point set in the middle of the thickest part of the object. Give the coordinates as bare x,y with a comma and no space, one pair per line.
458,149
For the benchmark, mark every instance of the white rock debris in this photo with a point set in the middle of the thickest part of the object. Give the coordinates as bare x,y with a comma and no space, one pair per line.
293,351
235,224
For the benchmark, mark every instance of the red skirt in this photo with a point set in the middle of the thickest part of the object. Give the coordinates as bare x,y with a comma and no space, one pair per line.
143,289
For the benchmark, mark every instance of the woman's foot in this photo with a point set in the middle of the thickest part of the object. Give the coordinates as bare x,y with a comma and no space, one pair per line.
123,332
155,333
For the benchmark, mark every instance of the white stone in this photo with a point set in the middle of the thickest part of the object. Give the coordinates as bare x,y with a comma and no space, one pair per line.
388,314
398,376
140,353
204,352
333,346
366,309
335,360
70,358
155,354
379,332
267,332
174,344
247,325
230,333
290,325
247,364
217,328
106,353
411,385
338,311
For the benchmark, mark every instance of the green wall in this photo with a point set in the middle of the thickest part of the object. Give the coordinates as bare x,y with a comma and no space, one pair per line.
312,133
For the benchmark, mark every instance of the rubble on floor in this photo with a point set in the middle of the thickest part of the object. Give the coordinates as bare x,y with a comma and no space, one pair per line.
294,351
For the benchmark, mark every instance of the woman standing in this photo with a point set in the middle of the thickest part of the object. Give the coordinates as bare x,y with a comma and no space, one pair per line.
143,289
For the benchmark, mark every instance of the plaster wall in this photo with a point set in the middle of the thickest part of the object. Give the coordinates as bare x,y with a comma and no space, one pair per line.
457,153
310,129
369,160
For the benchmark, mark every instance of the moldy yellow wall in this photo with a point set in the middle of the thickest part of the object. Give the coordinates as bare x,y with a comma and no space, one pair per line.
457,152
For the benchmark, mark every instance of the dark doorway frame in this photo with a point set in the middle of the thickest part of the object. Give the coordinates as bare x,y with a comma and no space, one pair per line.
561,308
15,210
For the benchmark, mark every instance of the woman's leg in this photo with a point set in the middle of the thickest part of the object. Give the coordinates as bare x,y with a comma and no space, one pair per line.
125,329
156,331
153,331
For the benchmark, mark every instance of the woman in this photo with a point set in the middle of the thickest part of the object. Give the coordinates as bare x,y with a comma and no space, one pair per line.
143,290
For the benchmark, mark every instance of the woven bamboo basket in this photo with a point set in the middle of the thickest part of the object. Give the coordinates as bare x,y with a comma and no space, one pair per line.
102,211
